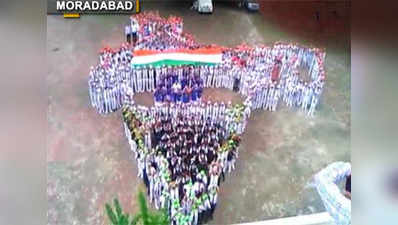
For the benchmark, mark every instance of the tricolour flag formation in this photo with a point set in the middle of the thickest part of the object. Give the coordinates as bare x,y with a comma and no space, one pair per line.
175,57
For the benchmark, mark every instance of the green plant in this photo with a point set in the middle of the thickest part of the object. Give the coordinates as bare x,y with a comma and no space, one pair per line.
151,217
145,216
116,215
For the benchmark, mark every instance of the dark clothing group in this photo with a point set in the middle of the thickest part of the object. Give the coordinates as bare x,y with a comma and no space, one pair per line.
172,88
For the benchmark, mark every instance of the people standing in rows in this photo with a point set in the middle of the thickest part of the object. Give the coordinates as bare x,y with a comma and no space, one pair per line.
182,167
267,74
184,145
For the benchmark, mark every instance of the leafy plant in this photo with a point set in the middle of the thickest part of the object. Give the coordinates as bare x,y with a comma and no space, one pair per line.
145,216
116,215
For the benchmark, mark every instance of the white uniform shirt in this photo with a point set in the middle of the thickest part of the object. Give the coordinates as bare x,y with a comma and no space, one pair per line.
134,27
127,30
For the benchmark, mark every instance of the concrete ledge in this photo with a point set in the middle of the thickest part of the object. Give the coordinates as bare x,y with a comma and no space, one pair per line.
313,219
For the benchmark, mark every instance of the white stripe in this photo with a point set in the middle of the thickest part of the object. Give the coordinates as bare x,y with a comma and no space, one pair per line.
206,58
312,219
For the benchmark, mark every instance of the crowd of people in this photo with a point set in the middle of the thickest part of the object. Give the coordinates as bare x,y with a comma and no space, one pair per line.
186,83
158,33
182,153
183,145
108,80
282,81
178,84
267,75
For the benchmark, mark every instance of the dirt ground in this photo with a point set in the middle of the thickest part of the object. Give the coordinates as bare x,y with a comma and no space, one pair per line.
88,158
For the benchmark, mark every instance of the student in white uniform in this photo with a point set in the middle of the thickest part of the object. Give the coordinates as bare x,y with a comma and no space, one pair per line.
127,31
134,30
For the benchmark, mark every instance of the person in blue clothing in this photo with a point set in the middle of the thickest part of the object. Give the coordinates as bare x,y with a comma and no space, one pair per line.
168,82
156,95
185,96
169,93
160,83
174,77
159,95
163,93
167,99
195,80
194,93
173,95
178,95
184,82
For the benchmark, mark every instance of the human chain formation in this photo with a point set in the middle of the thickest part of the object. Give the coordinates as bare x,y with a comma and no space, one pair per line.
256,79
182,151
184,145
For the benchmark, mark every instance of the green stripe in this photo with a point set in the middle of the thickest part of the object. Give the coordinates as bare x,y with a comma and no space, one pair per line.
171,62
